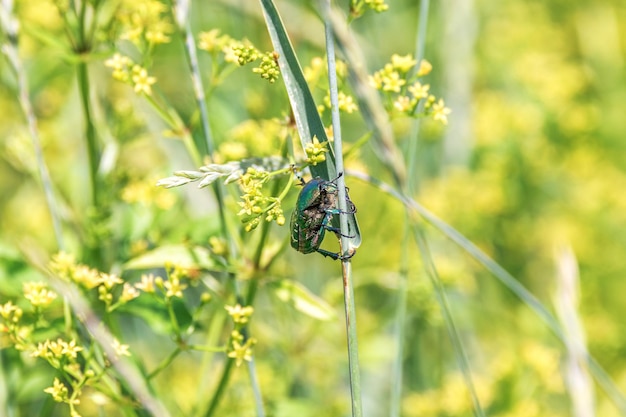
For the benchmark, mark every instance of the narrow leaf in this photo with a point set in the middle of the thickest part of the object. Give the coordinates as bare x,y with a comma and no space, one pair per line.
304,109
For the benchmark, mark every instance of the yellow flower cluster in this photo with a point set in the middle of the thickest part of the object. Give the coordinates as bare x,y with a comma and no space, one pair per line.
38,294
399,81
213,42
58,351
240,53
377,5
126,71
145,22
315,151
65,266
345,102
239,314
17,333
254,203
268,68
357,7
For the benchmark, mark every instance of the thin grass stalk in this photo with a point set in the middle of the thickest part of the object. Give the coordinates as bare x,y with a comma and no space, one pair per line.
258,399
10,26
181,10
453,333
401,309
420,48
372,110
346,250
506,279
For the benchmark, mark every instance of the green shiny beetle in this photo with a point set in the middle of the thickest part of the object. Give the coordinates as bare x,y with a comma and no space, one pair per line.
315,207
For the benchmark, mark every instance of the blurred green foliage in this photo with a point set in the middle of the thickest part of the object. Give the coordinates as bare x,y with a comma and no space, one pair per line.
534,160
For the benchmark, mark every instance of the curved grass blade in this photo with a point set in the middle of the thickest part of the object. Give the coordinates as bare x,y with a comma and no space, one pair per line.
507,280
307,118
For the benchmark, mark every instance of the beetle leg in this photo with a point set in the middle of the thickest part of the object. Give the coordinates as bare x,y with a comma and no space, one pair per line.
335,256
329,215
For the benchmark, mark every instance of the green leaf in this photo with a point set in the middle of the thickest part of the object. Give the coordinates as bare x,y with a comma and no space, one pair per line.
297,295
185,256
304,109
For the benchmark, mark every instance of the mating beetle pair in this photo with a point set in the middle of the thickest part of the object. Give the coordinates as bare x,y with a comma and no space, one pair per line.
315,207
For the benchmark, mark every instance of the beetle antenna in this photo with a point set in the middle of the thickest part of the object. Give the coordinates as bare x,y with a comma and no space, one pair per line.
294,169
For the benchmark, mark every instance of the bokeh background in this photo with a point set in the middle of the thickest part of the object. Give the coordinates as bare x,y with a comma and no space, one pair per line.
531,167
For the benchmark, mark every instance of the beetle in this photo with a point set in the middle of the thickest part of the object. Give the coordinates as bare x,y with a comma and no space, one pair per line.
315,207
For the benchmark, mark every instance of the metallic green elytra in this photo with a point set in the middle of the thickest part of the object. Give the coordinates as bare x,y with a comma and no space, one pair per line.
315,207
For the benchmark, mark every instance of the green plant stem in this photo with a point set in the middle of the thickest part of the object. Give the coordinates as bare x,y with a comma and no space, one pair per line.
207,148
412,177
219,391
459,350
10,50
346,249
165,363
93,153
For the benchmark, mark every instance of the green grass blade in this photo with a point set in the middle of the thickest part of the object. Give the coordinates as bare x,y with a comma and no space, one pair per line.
453,333
304,109
505,278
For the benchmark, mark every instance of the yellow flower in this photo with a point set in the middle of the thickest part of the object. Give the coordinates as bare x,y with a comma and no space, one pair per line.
120,65
10,312
62,264
314,71
38,294
218,245
376,80
129,293
240,314
208,41
142,80
87,277
315,151
57,390
110,280
377,5
403,63
146,284
70,349
403,104
120,349
393,82
174,288
425,68
418,90
241,352
441,112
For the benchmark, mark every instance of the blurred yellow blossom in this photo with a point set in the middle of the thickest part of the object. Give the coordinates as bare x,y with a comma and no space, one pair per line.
239,314
146,284
142,80
174,288
403,63
315,151
425,68
38,294
120,349
440,112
